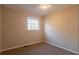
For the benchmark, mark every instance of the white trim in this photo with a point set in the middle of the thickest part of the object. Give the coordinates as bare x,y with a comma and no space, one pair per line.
39,42
63,48
20,46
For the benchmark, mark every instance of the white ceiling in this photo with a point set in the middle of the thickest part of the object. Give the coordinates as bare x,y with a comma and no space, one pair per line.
36,8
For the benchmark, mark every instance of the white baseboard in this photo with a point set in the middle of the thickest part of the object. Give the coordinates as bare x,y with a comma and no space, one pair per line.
63,48
20,46
39,42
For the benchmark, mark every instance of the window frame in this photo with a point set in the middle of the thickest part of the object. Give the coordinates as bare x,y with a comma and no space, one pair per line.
33,27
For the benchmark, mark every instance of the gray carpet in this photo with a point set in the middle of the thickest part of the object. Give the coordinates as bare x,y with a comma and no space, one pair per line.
38,49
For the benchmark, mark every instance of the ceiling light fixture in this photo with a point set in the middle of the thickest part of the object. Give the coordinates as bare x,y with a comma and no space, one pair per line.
44,6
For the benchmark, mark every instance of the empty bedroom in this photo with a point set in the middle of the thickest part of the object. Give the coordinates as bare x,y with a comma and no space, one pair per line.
39,29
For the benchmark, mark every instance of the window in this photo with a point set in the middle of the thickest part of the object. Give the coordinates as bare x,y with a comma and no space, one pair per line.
33,23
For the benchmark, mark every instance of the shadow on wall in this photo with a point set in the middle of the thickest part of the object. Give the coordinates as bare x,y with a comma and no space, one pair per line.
62,29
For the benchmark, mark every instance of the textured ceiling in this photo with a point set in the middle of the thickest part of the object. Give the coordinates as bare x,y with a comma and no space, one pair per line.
36,8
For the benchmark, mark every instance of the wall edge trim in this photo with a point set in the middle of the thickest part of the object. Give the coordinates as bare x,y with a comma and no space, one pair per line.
62,48
20,46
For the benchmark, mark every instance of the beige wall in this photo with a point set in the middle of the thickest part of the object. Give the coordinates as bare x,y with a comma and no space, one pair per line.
15,31
62,29
0,27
